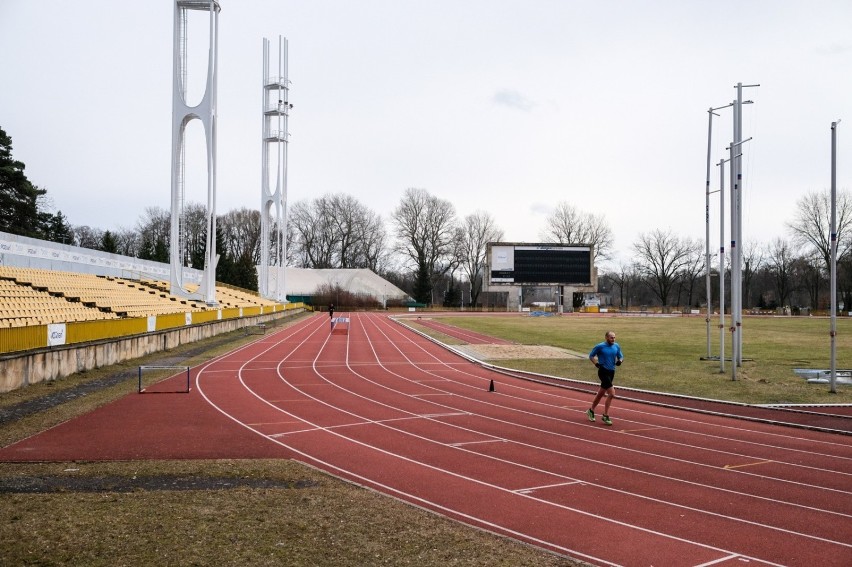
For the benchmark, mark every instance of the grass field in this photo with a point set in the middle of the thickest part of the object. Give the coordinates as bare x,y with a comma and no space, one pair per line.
665,353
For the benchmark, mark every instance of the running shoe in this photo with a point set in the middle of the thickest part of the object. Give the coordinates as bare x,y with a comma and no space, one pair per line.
606,420
591,414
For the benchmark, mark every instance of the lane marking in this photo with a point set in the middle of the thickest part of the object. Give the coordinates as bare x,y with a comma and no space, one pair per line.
724,560
463,443
534,488
747,465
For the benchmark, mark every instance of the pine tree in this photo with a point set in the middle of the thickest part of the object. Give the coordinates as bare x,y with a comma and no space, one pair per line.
18,197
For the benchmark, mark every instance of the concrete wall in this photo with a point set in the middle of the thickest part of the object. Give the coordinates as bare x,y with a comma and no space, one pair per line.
22,369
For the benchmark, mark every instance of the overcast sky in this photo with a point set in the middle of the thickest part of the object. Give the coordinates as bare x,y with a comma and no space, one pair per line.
504,106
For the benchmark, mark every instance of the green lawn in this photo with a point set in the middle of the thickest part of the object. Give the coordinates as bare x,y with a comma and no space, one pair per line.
664,354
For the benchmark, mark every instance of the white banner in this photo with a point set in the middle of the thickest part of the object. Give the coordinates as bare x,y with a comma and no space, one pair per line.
56,334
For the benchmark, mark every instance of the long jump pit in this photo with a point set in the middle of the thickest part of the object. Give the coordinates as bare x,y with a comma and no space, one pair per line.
509,352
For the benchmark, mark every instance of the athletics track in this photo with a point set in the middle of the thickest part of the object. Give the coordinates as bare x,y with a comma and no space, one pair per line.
389,409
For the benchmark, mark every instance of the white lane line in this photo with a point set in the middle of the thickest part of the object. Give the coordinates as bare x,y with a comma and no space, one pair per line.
465,443
557,485
723,560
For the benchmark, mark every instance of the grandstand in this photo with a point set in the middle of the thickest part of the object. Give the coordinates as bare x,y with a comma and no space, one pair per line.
65,309
32,296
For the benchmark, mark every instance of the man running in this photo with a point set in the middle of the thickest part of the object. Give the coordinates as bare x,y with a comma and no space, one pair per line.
605,356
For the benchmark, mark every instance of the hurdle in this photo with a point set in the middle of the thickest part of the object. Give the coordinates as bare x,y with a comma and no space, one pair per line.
340,325
259,329
163,370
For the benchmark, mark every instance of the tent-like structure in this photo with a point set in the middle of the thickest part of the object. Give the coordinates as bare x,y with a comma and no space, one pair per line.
304,282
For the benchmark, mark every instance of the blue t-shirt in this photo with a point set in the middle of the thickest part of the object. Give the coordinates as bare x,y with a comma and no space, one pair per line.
607,354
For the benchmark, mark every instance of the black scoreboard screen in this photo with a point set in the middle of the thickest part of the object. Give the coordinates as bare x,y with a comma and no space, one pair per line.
540,264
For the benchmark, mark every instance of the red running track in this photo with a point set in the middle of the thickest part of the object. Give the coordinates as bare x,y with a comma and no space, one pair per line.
391,410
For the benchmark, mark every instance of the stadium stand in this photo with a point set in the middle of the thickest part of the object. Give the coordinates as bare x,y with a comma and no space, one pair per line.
31,296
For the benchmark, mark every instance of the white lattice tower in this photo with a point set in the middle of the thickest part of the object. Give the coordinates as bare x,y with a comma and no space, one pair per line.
273,229
182,114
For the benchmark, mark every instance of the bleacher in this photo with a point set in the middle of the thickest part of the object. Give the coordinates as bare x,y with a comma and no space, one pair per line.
30,296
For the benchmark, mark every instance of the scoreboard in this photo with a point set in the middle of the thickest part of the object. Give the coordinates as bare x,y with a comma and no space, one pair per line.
540,264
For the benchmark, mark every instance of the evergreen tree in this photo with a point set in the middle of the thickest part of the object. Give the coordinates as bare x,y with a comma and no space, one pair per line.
55,228
18,197
161,251
452,298
245,273
108,243
225,267
423,285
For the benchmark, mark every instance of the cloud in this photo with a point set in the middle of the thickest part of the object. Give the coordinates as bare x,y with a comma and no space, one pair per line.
541,209
513,99
834,48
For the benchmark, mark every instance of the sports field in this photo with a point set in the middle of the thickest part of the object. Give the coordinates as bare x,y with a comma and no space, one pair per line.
666,353
388,410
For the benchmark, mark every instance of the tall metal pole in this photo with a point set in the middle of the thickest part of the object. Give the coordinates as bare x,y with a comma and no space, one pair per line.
833,332
722,266
737,257
736,326
734,252
710,113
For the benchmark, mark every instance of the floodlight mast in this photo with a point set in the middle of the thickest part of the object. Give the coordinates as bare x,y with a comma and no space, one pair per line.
275,108
833,331
710,113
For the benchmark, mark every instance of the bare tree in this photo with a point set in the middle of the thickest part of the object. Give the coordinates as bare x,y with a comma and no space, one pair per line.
373,249
337,231
567,225
88,237
425,227
753,258
779,261
692,268
808,273
128,242
625,276
195,234
477,230
314,234
240,230
661,258
811,226
154,226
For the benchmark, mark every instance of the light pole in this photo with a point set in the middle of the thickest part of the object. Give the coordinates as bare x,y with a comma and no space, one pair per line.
710,113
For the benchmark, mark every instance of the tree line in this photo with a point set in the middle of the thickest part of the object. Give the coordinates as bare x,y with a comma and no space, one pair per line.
428,250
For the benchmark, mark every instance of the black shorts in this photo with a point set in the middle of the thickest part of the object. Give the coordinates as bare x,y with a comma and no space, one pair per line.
606,377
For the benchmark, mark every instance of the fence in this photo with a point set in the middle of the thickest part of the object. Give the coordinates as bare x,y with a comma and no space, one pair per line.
17,339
